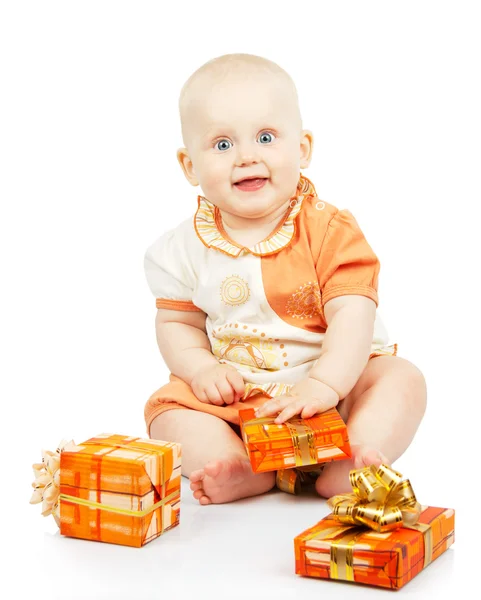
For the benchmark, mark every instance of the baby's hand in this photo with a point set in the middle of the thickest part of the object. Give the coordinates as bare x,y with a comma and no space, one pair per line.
220,384
307,398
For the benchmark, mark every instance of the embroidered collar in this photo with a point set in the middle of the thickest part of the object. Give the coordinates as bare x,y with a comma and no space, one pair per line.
209,228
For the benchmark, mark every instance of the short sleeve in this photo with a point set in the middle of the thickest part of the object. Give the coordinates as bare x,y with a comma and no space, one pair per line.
169,277
346,264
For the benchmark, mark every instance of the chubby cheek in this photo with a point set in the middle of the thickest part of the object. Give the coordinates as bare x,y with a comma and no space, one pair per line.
214,177
284,159
285,172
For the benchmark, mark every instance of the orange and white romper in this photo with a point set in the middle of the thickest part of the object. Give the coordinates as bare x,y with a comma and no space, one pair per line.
265,304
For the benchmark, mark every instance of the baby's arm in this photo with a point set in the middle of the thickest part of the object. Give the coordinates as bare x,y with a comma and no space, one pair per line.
347,343
345,352
185,348
183,342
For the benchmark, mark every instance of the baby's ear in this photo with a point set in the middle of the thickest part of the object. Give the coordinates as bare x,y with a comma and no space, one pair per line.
307,146
187,166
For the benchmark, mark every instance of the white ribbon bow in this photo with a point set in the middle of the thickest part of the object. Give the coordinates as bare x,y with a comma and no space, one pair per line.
46,487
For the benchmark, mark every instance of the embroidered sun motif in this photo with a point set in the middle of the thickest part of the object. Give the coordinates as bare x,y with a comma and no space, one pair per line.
305,302
234,290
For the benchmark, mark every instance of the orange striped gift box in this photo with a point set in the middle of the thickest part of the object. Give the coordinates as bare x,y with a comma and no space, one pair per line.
391,559
119,489
295,443
379,534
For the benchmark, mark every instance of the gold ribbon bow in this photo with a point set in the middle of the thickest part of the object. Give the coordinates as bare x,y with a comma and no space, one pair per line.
47,480
381,500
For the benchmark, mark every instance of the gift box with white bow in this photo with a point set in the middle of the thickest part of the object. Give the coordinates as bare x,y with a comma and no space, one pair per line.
111,488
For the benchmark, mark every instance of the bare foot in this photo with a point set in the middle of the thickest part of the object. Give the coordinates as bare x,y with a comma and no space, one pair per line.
335,477
227,480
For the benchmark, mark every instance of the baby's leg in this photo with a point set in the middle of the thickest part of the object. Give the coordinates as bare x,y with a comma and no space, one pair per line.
213,456
382,412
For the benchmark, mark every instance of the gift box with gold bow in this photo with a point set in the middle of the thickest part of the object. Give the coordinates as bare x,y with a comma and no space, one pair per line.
378,535
111,488
295,443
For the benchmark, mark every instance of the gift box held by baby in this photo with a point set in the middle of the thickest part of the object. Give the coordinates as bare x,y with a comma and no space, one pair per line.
295,443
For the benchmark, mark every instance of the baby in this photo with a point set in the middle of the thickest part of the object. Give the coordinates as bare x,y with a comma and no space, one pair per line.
267,297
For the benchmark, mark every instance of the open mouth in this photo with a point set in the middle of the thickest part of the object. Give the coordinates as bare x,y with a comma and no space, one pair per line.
250,185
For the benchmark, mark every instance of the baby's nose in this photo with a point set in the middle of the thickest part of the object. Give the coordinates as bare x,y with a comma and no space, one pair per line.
246,156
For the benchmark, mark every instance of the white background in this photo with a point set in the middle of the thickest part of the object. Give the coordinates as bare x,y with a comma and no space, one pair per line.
88,179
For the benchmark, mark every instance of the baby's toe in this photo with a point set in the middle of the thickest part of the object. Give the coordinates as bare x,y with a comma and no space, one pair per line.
374,457
197,476
213,468
198,494
197,485
364,456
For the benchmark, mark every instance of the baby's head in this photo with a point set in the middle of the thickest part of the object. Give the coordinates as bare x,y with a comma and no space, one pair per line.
240,119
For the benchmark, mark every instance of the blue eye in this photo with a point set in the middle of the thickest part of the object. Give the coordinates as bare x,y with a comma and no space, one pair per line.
266,137
223,145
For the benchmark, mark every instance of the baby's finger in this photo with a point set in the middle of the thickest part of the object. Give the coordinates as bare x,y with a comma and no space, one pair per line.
271,407
294,408
225,390
213,394
319,405
200,394
311,409
237,382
